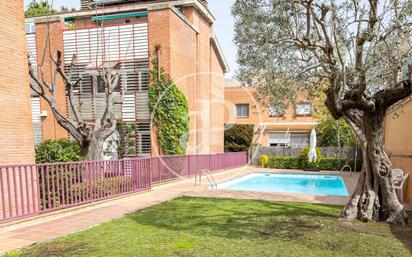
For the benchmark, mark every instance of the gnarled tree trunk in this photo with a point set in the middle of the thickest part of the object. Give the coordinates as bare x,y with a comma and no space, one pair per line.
374,197
93,149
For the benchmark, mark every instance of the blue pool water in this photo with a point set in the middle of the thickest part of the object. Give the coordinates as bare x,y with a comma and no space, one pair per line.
289,183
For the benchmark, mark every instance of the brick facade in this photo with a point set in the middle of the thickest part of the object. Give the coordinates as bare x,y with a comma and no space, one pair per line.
16,131
259,114
186,54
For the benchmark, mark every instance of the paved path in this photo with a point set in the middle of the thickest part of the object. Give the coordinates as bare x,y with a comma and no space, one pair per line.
53,225
50,226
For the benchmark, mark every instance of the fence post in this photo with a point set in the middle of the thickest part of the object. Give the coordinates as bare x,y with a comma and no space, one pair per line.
90,180
189,172
150,178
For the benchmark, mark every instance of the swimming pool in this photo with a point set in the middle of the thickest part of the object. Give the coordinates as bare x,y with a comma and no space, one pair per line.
313,184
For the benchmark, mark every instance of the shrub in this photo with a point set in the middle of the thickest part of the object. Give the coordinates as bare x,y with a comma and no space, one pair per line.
359,164
104,187
305,164
238,138
332,163
264,160
61,150
82,189
338,163
284,162
170,110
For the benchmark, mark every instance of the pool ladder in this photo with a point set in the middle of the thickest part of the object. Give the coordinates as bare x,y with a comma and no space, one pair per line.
343,168
206,172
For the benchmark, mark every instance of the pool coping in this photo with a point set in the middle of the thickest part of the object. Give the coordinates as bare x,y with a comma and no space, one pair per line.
284,173
350,183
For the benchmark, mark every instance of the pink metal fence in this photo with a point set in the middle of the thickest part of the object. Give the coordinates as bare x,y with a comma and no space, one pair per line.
166,168
27,190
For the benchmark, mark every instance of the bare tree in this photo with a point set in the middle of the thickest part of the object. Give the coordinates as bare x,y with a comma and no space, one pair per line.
357,52
90,136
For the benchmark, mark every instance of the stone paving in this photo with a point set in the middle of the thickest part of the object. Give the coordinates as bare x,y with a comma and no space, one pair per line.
42,228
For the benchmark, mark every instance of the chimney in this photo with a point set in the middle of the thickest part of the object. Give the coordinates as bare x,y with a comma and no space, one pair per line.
85,4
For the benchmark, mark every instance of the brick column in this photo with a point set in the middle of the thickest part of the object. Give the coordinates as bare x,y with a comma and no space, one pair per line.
16,130
50,36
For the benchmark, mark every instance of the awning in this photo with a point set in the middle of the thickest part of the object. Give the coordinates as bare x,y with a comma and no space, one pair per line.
119,16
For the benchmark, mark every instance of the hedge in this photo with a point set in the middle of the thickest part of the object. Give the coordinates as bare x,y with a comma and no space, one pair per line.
304,161
286,162
339,163
282,162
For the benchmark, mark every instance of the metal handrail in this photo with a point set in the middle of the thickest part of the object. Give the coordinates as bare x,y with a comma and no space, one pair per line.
209,176
346,166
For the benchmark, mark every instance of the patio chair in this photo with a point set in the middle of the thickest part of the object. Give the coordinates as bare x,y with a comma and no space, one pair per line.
399,177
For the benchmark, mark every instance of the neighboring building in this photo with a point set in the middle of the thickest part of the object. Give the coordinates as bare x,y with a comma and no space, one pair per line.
127,33
398,140
277,126
16,131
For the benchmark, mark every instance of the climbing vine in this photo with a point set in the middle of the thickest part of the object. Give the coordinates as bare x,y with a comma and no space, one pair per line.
170,112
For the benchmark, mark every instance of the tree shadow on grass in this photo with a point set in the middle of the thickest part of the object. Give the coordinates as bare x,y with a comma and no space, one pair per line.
404,233
64,248
237,219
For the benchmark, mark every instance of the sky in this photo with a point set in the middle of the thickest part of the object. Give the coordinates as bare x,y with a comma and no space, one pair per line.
223,26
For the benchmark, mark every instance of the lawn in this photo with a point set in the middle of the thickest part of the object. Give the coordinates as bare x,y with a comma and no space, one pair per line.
225,227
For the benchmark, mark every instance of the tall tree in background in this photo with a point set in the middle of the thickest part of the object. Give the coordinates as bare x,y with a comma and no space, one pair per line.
39,8
238,137
335,133
357,52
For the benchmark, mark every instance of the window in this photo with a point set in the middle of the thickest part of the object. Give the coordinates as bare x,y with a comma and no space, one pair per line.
85,84
135,76
299,139
144,139
286,139
100,86
30,28
277,110
279,139
143,80
242,110
303,109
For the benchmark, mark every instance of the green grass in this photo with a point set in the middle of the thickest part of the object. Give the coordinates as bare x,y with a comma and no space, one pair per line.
225,227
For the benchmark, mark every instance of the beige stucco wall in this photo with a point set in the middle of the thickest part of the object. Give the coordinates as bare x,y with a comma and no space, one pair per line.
398,141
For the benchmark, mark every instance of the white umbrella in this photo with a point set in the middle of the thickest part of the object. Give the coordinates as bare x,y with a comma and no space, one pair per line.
312,150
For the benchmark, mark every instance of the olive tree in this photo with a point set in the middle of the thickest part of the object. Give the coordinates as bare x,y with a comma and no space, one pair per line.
356,51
